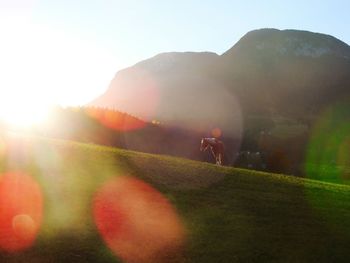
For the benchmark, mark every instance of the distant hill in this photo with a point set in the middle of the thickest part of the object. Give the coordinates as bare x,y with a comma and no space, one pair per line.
268,72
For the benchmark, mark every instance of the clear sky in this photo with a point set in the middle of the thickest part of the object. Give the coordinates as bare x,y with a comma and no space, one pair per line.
67,51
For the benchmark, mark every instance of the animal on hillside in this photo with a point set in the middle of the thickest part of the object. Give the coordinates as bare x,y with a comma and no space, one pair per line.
215,146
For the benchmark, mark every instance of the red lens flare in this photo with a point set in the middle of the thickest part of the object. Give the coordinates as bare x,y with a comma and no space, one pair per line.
137,222
21,210
115,120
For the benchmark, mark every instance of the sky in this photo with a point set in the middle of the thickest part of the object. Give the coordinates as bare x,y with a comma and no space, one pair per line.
66,52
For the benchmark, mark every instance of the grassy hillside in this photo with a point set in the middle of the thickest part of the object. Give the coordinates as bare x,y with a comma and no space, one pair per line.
230,215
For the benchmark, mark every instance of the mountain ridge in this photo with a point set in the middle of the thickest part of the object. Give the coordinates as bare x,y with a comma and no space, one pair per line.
294,39
262,73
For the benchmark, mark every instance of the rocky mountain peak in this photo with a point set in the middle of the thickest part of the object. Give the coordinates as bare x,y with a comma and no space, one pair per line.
290,43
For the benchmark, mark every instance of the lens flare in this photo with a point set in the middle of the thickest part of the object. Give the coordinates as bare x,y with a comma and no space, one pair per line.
21,210
23,226
328,154
137,222
216,133
328,160
3,146
115,120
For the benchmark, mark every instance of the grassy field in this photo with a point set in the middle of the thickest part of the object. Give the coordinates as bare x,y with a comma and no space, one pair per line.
230,215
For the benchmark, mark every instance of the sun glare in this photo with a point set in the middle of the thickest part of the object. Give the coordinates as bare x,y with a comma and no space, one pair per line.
24,111
23,117
42,66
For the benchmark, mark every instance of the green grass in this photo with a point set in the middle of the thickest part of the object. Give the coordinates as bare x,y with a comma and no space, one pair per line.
231,215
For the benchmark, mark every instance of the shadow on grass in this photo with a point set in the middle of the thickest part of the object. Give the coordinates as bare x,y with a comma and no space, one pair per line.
68,248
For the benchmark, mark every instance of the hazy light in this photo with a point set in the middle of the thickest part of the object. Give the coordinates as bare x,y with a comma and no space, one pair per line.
3,147
115,120
138,94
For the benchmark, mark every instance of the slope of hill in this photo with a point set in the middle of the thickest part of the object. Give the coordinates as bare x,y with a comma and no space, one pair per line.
230,215
268,72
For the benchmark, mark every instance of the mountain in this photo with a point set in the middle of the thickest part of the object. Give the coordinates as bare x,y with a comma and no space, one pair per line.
290,72
268,72
170,87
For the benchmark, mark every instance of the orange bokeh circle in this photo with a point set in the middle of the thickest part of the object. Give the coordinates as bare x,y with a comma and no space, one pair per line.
216,132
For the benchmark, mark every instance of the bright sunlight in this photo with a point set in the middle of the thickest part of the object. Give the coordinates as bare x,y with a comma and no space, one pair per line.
22,112
42,67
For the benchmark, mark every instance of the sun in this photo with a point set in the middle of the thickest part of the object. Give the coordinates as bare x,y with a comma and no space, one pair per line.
22,112
43,66
22,117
